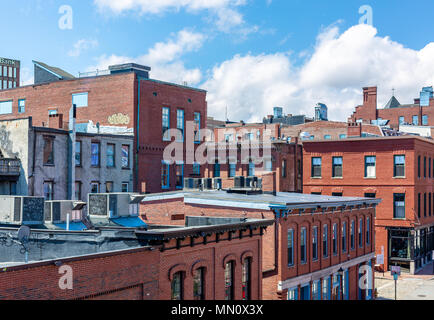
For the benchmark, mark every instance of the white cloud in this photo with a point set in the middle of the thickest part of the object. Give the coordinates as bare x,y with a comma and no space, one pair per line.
82,45
333,73
224,12
164,58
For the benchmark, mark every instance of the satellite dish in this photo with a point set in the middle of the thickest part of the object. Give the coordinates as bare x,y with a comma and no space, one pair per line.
23,234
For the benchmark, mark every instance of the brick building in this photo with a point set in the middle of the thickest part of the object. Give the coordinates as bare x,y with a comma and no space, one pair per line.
124,96
9,74
400,171
312,240
111,261
45,166
418,113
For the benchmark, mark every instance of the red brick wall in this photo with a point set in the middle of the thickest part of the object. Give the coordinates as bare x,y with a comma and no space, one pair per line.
107,95
118,276
384,185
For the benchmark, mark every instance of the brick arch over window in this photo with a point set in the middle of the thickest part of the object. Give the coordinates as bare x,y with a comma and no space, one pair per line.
399,190
229,257
338,190
197,265
316,189
175,269
370,190
247,254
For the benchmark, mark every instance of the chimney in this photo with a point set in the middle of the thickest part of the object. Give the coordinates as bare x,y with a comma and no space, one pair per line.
354,129
55,121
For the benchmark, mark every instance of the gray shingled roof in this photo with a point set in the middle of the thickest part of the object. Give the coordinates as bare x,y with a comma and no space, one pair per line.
393,103
61,73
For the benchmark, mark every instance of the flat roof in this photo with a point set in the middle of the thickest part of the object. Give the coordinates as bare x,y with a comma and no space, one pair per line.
265,201
407,137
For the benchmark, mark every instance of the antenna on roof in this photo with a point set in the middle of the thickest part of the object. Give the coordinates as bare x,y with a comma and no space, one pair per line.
393,91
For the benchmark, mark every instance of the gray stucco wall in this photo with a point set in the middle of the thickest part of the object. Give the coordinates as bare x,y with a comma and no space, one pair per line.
14,143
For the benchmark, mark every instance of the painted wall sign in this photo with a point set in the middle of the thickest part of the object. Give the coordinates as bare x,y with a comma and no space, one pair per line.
119,119
8,61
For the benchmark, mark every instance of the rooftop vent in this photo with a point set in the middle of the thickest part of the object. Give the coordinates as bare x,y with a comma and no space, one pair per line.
17,210
140,70
67,214
121,209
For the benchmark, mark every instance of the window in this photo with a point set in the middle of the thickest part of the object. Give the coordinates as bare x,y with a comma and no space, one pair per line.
344,236
325,241
229,281
424,120
78,153
429,204
429,168
95,154
109,187
315,243
249,136
179,176
284,168
290,247
327,137
165,176
293,294
166,123
197,127
80,100
418,205
21,105
49,151
342,136
110,159
399,166
10,72
303,246
268,165
196,168
368,231
424,205
352,234
316,167
312,138
216,169
401,120
316,293
125,156
399,205
232,169
94,187
125,187
180,123
178,286
229,137
424,167
198,284
415,120
5,106
246,279
335,239
326,288
77,194
49,190
370,167
361,233
337,167
337,194
370,195
52,112
251,169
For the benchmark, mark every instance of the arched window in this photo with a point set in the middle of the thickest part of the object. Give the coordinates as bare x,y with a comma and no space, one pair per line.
199,284
247,275
178,286
229,280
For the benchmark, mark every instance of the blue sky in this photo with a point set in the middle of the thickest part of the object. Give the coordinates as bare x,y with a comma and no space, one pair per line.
249,54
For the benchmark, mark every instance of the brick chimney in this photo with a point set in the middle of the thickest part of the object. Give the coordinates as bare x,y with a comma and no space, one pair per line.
55,121
354,129
370,103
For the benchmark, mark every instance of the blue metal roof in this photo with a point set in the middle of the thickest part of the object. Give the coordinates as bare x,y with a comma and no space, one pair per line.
73,226
129,222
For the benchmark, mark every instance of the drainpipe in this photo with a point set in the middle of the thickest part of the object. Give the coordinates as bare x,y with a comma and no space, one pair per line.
70,182
136,166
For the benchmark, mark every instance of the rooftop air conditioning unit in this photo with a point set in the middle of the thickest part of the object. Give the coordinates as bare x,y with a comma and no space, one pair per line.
239,182
57,212
207,183
120,208
249,182
188,183
218,184
197,183
18,210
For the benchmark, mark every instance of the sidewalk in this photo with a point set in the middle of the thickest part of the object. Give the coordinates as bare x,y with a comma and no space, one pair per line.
426,274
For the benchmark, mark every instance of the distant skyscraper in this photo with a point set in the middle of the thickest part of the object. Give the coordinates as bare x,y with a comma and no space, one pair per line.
9,73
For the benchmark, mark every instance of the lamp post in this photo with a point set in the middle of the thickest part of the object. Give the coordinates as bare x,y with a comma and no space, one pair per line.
341,274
